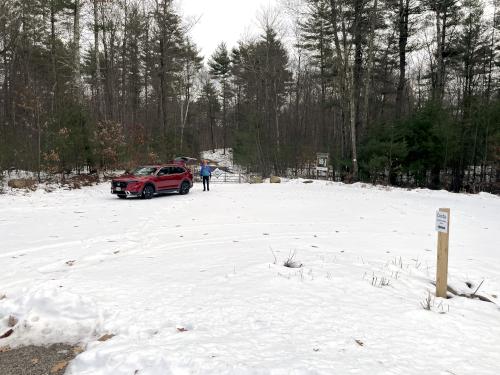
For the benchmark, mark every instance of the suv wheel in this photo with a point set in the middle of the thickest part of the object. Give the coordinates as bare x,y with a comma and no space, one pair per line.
148,192
122,196
184,188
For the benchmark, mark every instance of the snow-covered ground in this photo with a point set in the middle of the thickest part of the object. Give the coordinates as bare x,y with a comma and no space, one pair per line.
195,284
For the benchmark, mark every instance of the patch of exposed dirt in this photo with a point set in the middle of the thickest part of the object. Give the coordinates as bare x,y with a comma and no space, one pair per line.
37,360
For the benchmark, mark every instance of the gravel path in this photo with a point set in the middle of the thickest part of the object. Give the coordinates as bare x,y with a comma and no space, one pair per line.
37,360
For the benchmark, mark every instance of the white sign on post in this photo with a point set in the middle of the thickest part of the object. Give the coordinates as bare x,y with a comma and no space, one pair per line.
442,221
217,173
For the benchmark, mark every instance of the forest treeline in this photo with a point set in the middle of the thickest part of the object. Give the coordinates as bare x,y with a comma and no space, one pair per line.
402,92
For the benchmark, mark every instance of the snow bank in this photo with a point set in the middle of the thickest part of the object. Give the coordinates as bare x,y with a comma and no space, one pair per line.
49,315
120,358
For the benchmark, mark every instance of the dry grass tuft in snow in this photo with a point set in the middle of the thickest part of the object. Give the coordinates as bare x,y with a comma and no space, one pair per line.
290,262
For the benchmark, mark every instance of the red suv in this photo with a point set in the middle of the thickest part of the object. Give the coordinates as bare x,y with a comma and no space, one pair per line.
146,181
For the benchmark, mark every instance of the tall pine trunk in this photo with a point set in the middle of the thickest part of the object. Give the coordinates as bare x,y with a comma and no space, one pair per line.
403,15
53,55
76,51
97,83
369,72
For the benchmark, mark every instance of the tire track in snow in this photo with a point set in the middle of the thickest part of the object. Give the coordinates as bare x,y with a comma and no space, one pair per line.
150,248
116,239
39,248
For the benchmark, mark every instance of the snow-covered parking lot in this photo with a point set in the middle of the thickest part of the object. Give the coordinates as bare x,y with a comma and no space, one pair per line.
196,284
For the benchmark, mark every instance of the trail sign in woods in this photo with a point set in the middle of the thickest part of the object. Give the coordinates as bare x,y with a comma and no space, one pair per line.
443,229
322,162
217,173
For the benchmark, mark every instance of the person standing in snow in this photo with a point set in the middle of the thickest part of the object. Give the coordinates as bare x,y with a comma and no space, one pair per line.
205,174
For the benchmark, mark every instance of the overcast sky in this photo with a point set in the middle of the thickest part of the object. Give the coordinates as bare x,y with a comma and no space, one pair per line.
222,20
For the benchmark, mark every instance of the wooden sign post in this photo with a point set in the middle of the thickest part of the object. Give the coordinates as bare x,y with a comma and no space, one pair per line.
443,229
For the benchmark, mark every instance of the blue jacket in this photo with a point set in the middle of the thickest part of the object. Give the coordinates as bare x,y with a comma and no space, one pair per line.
205,171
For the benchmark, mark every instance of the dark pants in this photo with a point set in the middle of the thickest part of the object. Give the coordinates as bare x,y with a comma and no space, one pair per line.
206,179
